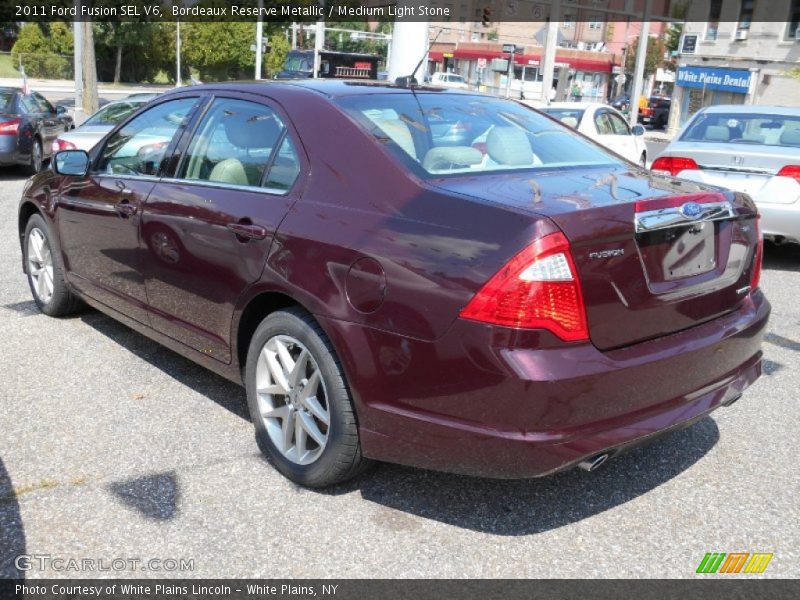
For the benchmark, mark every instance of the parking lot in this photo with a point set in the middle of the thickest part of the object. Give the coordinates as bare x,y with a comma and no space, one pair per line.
114,447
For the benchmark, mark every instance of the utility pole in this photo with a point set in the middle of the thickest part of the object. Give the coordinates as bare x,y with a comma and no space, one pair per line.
641,56
259,38
294,36
178,82
408,47
549,59
319,46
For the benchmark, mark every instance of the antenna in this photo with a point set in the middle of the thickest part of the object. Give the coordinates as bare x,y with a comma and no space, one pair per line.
409,80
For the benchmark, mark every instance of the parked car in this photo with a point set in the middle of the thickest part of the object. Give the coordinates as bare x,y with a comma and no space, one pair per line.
750,149
604,125
28,126
656,113
93,129
512,307
449,80
621,103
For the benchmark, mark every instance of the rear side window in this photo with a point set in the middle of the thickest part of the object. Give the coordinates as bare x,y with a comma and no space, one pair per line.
113,114
7,101
619,126
603,124
238,143
141,144
758,129
442,134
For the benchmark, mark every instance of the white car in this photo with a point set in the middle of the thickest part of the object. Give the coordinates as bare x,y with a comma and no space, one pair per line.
750,149
449,80
605,125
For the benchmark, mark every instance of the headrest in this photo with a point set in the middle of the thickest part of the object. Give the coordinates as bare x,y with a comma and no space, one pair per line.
250,130
717,133
791,137
569,121
509,146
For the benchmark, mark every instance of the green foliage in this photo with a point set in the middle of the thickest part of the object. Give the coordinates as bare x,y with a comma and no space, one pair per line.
144,49
45,56
219,51
653,59
278,49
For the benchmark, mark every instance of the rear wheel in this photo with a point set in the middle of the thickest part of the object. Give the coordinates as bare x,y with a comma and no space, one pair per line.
35,163
299,401
643,159
45,271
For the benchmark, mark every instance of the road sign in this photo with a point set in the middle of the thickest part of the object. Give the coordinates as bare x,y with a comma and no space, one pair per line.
621,79
481,63
510,48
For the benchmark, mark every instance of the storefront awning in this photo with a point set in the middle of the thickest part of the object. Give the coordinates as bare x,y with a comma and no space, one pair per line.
579,64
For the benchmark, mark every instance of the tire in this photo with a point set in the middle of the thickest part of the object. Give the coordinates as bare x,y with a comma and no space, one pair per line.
46,272
35,163
290,429
643,160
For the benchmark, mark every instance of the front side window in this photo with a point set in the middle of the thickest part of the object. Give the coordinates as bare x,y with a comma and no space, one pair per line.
236,143
141,144
442,134
618,124
725,128
603,124
43,104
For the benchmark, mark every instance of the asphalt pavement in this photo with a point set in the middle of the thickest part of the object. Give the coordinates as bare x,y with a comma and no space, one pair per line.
112,447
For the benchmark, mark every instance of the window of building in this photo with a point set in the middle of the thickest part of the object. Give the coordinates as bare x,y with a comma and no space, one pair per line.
714,12
746,14
793,20
595,21
569,21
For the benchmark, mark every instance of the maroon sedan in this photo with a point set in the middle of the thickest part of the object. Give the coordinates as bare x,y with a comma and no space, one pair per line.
413,275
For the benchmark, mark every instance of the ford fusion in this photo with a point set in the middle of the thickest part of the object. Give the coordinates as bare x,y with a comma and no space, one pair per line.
509,302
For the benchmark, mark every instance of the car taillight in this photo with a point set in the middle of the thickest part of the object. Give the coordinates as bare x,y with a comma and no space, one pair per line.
537,289
59,145
10,127
673,164
755,278
790,171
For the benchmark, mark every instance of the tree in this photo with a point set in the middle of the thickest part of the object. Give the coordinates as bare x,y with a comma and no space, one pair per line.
43,54
653,59
219,50
278,49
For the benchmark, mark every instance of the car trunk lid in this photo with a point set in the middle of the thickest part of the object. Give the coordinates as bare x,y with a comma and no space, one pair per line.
654,255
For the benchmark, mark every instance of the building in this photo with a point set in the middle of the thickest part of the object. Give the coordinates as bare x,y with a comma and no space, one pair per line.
731,53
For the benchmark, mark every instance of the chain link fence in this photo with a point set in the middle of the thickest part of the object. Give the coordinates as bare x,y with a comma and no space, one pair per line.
46,65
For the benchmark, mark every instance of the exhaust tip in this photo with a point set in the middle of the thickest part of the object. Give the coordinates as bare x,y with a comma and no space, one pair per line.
590,464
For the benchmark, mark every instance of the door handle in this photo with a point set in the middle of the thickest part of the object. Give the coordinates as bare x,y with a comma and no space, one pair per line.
248,231
126,209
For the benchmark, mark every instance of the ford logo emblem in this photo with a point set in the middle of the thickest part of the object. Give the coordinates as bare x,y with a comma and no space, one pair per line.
691,210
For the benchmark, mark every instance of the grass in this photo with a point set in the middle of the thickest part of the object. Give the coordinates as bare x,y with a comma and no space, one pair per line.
6,67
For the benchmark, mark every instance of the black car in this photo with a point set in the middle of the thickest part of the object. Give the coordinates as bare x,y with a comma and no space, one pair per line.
621,103
28,126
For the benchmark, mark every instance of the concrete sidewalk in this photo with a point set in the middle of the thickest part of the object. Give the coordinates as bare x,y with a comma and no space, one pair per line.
66,86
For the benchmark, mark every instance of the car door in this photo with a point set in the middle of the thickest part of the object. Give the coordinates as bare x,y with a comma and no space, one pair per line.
207,229
98,216
51,124
625,141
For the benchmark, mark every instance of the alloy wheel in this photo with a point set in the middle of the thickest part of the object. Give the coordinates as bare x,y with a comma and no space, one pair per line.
36,157
292,399
40,265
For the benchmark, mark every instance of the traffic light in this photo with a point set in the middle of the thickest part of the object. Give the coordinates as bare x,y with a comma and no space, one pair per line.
486,19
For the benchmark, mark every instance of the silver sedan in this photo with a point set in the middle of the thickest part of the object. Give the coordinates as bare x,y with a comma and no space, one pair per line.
752,149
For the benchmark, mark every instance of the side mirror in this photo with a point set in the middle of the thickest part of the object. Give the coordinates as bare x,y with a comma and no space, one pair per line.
60,110
71,162
638,130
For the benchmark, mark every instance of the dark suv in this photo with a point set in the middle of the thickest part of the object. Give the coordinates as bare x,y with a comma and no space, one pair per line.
656,113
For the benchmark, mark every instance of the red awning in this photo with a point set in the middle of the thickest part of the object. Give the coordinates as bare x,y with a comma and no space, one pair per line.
579,64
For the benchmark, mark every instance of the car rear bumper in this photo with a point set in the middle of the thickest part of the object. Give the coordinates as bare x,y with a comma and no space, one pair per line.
780,220
9,150
504,410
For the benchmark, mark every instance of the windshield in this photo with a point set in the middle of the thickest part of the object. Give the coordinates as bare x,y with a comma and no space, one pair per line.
296,63
760,129
441,134
7,101
113,113
568,116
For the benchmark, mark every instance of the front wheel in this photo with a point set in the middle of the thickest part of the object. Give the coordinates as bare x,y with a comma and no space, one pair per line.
35,163
45,271
299,401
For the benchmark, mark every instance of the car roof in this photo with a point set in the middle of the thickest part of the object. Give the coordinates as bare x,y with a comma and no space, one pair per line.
578,106
332,88
747,109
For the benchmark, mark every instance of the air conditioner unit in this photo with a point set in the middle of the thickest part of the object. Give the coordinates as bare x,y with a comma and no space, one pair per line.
741,34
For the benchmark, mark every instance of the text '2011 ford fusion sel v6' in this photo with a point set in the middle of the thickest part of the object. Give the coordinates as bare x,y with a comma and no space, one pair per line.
508,302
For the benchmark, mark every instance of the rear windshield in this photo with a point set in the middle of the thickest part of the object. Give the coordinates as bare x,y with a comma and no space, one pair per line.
723,128
441,134
7,101
568,116
113,113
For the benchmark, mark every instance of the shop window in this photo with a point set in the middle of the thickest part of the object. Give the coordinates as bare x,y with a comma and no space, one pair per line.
793,21
746,14
714,12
